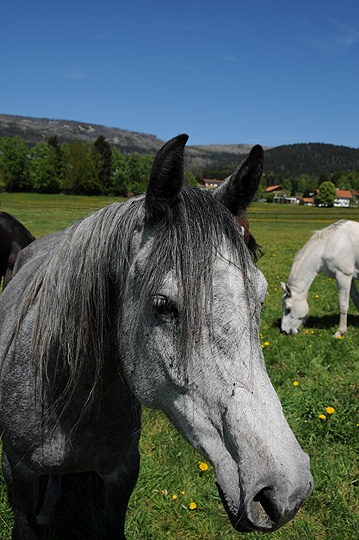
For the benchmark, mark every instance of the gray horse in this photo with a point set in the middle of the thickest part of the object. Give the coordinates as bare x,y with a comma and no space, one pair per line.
153,301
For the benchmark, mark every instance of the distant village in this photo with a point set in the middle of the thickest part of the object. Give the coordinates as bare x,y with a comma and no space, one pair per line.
344,198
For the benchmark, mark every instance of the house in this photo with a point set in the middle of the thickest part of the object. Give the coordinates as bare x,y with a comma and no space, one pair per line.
274,189
308,201
210,183
343,198
286,200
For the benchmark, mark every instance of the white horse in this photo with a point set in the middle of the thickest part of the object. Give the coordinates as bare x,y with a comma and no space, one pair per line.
334,251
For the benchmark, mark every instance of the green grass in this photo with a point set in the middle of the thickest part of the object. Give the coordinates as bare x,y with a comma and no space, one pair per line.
326,369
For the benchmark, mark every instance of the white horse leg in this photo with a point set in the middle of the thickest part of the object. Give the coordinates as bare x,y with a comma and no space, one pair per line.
354,295
344,287
53,495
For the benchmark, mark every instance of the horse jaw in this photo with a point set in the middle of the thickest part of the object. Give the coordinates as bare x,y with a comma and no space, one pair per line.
260,488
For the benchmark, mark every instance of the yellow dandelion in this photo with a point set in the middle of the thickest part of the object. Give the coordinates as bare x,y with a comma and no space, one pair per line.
203,466
330,410
174,496
322,417
192,506
266,343
316,296
340,337
183,492
295,383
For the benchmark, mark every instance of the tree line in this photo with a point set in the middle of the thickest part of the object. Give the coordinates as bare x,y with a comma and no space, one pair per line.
79,168
97,168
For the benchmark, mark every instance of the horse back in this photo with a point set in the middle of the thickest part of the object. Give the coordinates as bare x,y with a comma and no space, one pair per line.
341,252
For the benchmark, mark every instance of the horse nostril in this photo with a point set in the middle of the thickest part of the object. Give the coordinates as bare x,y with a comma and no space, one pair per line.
264,509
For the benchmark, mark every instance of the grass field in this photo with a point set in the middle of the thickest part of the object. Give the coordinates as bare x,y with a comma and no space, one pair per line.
325,369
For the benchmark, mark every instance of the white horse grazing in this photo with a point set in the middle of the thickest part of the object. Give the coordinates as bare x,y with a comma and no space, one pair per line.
334,251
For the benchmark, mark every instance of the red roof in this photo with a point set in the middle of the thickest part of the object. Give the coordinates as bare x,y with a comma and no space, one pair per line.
273,188
344,194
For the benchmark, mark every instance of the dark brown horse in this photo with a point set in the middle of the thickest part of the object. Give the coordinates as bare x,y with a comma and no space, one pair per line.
13,238
249,240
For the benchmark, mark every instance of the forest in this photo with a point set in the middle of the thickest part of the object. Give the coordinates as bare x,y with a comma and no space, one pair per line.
95,167
78,168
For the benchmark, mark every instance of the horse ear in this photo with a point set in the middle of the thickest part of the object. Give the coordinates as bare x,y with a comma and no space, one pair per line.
166,178
237,191
286,289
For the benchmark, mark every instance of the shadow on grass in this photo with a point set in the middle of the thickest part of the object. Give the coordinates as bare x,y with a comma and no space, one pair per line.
325,322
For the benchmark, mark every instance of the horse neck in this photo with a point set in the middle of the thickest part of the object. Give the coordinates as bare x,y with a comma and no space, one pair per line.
306,266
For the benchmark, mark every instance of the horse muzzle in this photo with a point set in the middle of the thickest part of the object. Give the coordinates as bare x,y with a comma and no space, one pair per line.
268,510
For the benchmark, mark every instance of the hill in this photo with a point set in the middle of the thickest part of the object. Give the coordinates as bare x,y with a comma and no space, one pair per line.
285,161
314,159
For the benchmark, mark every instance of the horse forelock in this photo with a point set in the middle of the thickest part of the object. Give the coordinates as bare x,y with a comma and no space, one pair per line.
186,244
80,289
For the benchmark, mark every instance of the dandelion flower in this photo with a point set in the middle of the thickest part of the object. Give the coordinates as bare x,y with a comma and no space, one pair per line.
317,296
192,506
322,417
203,466
266,343
295,383
330,410
174,496
183,492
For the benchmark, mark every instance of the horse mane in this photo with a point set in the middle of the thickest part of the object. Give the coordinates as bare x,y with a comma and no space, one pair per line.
79,291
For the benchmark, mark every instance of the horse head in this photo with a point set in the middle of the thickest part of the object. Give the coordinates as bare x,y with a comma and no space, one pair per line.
295,310
189,340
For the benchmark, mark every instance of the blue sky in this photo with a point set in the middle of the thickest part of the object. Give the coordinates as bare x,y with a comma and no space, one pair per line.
225,72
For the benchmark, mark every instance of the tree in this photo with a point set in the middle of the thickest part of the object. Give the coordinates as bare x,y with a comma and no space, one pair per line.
326,195
81,174
58,161
139,168
43,169
15,164
119,173
103,160
190,179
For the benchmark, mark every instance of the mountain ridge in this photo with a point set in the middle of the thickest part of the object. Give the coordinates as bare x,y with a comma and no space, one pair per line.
285,160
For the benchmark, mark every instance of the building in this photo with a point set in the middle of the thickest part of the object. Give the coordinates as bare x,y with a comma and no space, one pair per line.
274,189
286,200
343,198
211,183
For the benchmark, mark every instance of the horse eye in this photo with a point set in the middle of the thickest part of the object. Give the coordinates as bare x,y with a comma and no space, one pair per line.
164,308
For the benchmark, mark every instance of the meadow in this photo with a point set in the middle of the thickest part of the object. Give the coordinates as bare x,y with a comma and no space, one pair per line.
316,377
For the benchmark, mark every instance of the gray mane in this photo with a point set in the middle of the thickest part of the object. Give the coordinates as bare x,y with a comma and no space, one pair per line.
80,287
